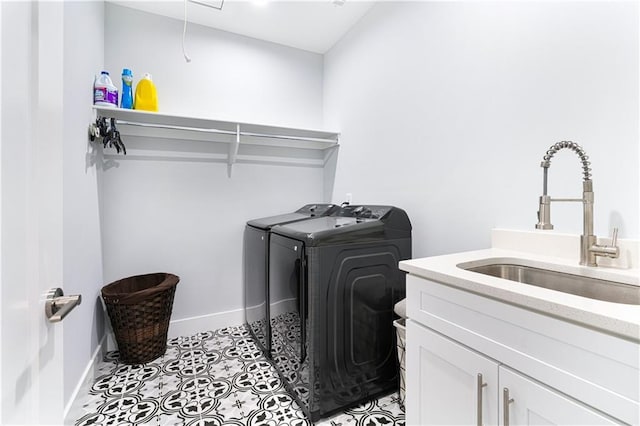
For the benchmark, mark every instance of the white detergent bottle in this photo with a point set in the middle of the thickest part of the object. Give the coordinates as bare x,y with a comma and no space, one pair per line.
105,93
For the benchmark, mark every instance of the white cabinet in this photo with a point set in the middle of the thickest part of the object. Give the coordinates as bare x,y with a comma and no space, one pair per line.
556,372
448,384
525,402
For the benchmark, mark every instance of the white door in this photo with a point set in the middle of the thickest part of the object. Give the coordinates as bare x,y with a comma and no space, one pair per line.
449,384
534,404
31,373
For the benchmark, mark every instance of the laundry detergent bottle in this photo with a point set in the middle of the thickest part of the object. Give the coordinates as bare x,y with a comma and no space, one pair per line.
127,91
104,91
146,96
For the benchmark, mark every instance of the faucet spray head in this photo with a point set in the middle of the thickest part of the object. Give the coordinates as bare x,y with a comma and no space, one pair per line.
544,213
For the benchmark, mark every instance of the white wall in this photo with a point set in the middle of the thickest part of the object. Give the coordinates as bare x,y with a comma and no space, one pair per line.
82,269
186,216
446,109
230,77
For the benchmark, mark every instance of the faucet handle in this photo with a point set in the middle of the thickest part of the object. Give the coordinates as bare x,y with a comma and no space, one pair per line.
612,251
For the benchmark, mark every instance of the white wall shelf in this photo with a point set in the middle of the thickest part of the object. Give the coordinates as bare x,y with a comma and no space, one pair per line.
247,142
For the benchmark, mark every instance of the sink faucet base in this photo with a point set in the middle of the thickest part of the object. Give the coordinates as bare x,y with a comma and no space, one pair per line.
587,258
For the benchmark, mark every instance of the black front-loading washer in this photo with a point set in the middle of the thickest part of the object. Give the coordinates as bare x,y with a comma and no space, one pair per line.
333,283
256,267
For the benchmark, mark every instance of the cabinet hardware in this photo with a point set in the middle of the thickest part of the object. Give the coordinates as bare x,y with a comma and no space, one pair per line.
505,405
480,385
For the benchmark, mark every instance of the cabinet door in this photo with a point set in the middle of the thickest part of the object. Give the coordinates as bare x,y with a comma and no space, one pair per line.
534,404
447,383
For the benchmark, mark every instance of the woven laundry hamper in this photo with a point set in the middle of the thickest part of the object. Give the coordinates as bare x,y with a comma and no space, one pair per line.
139,308
400,309
401,344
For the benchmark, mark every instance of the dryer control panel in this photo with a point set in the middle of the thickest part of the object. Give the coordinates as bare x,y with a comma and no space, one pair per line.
317,209
363,211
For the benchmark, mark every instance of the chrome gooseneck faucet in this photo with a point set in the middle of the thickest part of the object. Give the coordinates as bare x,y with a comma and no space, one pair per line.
589,248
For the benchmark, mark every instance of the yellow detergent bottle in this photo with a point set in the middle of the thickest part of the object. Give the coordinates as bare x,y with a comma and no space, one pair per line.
146,96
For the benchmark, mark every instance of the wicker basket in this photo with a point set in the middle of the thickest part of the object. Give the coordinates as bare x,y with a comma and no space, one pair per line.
140,309
401,343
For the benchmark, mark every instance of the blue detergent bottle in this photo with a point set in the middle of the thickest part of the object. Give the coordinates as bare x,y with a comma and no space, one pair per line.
127,92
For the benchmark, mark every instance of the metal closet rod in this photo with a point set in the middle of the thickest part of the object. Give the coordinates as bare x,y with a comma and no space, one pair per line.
223,132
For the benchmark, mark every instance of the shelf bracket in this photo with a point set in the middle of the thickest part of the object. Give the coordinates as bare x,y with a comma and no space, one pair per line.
233,150
329,153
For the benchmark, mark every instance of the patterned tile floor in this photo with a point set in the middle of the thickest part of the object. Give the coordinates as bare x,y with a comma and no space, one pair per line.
213,378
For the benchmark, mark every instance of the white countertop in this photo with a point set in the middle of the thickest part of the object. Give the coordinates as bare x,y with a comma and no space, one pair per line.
615,318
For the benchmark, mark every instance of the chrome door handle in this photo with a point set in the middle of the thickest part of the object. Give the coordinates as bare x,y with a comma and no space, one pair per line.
57,305
480,385
506,400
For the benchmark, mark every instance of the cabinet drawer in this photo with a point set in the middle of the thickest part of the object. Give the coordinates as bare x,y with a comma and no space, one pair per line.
596,368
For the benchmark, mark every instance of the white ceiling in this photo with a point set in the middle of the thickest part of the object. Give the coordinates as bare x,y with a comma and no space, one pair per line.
313,25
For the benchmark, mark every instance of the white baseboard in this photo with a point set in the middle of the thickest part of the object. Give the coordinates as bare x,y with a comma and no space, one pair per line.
193,325
256,311
73,410
278,308
283,306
